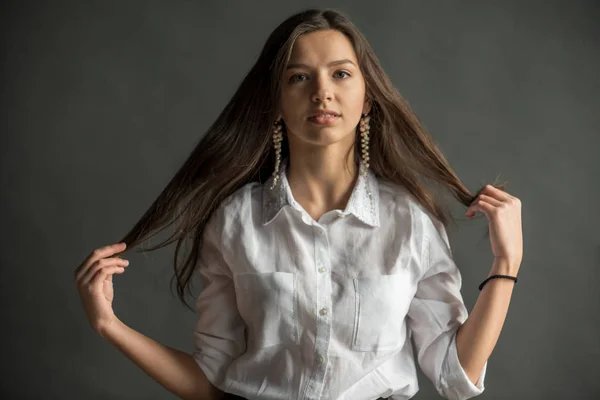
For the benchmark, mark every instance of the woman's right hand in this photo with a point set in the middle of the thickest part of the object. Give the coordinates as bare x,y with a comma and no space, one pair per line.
94,278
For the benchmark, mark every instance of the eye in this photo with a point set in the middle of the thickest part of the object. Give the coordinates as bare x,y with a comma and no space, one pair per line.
342,72
296,78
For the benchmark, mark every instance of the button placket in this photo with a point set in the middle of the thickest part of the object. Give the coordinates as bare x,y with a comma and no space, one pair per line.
323,322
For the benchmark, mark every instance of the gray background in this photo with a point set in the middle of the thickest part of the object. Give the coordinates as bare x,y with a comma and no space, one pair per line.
102,101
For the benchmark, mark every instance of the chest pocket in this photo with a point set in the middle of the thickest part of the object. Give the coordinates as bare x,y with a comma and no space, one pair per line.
268,304
381,304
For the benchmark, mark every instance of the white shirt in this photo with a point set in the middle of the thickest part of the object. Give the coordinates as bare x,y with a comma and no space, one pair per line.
293,308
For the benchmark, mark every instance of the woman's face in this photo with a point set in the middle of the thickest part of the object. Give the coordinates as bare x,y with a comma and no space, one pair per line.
322,74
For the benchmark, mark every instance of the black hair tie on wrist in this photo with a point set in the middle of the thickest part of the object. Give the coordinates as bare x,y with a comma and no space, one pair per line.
514,278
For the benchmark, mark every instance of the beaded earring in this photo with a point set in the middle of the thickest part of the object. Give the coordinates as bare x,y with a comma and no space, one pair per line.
277,138
364,133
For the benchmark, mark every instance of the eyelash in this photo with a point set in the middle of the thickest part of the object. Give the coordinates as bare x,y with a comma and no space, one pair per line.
292,79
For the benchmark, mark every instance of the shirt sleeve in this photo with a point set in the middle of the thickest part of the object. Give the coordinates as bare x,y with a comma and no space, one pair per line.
435,314
219,333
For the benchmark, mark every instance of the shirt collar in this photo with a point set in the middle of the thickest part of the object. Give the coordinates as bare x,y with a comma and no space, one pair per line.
363,202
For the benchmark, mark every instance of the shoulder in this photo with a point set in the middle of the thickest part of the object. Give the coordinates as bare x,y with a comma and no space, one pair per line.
239,208
399,200
242,197
396,195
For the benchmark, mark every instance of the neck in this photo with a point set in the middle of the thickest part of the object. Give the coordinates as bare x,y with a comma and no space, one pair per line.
322,180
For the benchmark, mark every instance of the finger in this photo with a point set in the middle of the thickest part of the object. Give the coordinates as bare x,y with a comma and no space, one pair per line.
481,197
102,264
496,193
482,206
491,200
98,279
96,255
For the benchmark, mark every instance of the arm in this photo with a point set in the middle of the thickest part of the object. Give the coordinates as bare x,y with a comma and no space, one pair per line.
218,333
175,370
477,337
436,313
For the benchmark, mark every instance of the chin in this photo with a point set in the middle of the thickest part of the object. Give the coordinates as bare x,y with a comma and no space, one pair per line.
325,137
322,135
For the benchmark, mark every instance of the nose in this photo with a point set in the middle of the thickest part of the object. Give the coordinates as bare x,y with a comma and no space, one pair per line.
321,91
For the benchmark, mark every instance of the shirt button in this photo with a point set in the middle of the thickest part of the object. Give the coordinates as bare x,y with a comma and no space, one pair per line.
322,269
320,360
323,311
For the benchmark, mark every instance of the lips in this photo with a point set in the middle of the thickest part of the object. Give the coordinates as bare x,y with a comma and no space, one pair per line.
324,118
325,114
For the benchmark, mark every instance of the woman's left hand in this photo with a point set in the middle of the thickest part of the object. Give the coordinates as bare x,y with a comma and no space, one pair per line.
504,214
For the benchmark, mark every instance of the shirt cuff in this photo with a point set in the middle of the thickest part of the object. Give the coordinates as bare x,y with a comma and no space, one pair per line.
213,366
458,384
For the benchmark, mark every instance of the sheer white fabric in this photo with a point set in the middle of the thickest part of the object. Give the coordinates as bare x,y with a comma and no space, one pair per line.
293,308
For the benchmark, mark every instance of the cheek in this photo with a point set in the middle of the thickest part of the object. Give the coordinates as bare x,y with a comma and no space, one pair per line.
354,105
357,96
290,103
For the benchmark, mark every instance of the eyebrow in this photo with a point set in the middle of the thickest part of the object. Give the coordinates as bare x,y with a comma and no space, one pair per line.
338,62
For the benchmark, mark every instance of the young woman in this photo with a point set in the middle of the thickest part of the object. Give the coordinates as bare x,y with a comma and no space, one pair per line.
322,253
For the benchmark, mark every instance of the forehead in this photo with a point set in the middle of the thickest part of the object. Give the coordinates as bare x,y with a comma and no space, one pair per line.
322,46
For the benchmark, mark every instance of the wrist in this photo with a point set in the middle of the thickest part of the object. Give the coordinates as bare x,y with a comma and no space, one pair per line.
503,266
111,330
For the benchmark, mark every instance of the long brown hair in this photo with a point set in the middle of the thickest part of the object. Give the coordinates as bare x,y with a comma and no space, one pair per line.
237,147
